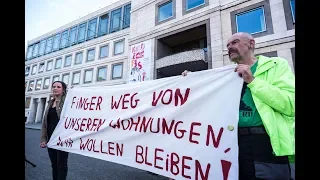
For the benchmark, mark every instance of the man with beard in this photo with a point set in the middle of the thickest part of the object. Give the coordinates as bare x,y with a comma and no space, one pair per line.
267,112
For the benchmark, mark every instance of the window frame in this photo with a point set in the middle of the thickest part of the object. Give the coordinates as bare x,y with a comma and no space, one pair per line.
58,42
290,20
44,41
112,29
97,74
103,45
114,47
38,80
29,72
125,9
30,52
112,70
84,76
69,43
85,24
75,59
108,24
65,58
44,67
29,85
94,55
186,11
55,64
267,15
36,46
157,7
44,82
36,67
63,75
73,73
64,33
49,45
292,11
51,60
95,20
251,10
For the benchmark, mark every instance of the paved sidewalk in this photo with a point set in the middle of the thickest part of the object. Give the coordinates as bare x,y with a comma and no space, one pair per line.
79,167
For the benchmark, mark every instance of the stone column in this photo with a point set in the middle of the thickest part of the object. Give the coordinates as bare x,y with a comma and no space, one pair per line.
216,40
31,117
40,109
278,16
286,53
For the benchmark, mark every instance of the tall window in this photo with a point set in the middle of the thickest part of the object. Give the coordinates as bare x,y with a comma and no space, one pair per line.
35,50
118,47
79,57
34,69
252,21
38,84
49,65
165,11
103,24
104,51
49,45
126,16
67,61
42,47
115,20
58,63
92,29
76,78
31,85
65,78
117,71
46,83
293,9
27,71
72,36
88,75
56,42
29,54
82,32
102,74
90,54
64,39
41,67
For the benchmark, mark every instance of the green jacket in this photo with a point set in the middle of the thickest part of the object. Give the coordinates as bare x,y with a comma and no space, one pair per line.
273,92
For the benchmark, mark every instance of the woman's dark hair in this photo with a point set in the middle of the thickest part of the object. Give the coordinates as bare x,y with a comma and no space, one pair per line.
64,86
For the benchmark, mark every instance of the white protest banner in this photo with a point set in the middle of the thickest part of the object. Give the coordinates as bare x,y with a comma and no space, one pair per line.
179,127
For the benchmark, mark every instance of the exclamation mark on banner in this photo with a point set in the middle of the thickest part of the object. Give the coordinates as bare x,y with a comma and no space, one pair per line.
225,169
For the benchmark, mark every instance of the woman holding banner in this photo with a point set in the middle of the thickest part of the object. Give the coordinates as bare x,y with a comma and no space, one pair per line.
59,159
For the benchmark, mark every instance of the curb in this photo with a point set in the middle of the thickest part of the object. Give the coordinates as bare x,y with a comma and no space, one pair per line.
34,128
